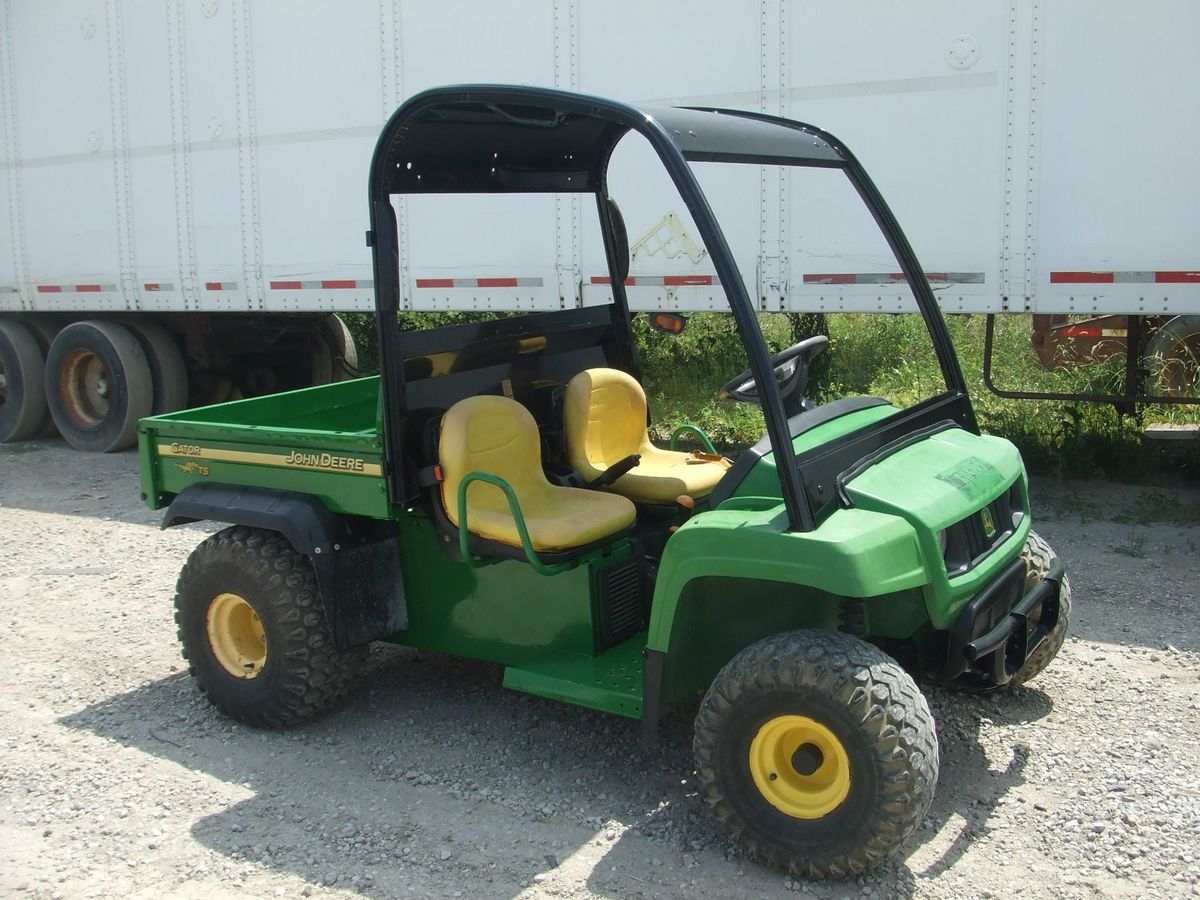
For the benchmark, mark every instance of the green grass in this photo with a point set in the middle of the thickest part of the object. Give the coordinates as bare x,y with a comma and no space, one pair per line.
891,356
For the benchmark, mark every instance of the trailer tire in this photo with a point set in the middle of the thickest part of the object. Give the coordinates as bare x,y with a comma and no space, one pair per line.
344,352
22,388
1173,356
851,738
168,375
44,329
243,585
334,356
98,385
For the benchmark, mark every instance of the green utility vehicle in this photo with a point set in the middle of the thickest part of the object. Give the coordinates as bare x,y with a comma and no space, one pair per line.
494,494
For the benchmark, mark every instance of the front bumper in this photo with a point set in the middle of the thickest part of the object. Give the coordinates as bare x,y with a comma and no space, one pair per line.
1001,627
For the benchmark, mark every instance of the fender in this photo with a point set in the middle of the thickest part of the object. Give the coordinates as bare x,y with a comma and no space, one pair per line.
356,559
855,553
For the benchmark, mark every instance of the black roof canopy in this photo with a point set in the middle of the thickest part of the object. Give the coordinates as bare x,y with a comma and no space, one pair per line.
511,139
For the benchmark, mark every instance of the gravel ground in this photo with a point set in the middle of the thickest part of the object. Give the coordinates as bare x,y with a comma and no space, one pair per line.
116,777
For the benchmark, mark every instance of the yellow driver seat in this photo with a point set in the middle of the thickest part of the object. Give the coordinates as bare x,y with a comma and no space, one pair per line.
604,413
499,436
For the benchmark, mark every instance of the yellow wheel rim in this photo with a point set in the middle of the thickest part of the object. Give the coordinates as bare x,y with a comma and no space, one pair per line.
800,767
236,636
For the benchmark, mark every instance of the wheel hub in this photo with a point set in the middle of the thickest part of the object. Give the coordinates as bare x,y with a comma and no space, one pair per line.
84,388
800,766
236,636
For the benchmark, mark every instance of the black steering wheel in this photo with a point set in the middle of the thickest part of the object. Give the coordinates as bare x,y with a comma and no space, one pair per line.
791,368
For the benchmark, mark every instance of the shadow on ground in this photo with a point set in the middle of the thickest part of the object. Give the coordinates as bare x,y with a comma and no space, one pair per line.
433,779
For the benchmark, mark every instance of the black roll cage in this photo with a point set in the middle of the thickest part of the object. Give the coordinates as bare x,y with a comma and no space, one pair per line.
519,139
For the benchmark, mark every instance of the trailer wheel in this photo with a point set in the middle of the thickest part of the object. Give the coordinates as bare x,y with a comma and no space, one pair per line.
168,375
817,752
254,633
1173,356
334,357
22,391
98,385
44,329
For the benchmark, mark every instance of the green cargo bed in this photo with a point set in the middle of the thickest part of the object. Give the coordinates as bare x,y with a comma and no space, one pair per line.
323,441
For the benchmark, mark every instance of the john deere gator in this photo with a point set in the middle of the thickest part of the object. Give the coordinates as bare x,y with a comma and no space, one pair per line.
494,494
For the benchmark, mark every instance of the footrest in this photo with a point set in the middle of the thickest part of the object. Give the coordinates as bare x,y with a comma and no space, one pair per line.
610,682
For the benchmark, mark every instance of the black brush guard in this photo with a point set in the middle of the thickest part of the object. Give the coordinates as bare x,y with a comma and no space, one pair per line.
998,629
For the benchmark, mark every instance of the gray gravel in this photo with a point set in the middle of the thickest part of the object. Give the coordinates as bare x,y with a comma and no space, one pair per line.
116,777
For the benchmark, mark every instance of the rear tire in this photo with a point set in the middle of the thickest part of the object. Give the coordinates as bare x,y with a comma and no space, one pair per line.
1173,356
335,357
254,632
168,375
22,389
44,329
817,752
98,385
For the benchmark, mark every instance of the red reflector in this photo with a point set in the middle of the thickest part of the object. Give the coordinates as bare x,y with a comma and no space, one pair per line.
1081,277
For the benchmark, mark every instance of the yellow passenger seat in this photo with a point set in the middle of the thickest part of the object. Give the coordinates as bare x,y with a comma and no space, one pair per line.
499,436
604,413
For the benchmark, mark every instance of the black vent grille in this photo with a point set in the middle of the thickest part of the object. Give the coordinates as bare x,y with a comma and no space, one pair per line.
971,539
619,603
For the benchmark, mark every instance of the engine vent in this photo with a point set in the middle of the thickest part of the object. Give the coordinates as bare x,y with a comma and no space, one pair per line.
619,603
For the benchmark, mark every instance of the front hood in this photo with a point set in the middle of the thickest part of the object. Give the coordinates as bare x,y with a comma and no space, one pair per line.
939,480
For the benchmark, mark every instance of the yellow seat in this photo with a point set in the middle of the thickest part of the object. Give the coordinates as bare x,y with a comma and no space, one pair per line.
499,436
604,412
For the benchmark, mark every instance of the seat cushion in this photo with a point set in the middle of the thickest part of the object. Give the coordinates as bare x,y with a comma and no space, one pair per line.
663,475
604,417
498,436
560,519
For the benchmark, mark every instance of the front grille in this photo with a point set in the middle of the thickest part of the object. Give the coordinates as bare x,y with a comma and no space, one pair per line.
970,539
619,603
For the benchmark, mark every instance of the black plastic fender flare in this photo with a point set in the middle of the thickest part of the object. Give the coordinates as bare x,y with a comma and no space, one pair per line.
356,559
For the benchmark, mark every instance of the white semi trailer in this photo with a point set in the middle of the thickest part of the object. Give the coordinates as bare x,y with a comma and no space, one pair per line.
185,206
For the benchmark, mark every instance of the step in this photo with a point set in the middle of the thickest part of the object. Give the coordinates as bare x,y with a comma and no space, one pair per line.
1166,431
610,682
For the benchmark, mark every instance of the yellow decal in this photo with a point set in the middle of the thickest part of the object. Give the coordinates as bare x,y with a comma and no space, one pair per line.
321,462
192,468
324,461
989,524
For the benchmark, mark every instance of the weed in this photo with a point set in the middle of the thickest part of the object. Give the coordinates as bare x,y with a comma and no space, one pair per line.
1136,548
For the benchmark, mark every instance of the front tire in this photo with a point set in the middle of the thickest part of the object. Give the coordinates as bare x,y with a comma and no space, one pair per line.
254,633
817,752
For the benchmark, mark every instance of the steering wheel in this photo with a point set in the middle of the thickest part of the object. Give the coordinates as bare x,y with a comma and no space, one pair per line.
791,368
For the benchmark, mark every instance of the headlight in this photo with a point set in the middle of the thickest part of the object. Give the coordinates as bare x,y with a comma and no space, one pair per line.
941,539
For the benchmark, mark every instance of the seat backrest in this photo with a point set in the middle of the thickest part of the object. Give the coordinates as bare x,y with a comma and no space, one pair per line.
489,434
604,419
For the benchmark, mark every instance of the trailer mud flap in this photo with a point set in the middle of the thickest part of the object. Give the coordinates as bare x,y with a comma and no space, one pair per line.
356,559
